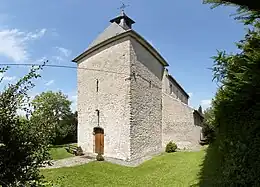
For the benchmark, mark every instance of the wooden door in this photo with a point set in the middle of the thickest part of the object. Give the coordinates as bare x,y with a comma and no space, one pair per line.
99,142
102,143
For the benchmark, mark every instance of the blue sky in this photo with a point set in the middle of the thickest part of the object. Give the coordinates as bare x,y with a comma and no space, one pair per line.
186,33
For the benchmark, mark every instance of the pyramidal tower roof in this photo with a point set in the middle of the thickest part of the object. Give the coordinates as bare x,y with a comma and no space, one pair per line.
119,25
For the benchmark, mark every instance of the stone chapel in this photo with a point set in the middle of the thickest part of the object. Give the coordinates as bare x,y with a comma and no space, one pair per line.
129,106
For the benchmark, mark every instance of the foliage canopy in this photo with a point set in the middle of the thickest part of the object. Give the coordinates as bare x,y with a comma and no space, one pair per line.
236,110
54,109
23,148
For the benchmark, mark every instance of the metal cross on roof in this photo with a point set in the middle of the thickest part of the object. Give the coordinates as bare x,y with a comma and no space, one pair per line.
123,6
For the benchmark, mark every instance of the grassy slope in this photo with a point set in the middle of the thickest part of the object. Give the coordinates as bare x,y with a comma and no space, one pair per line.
59,152
176,169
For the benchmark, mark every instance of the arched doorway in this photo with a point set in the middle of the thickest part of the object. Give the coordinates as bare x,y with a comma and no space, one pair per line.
99,140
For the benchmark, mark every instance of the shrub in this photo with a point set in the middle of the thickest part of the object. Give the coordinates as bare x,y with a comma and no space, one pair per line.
79,151
100,157
171,147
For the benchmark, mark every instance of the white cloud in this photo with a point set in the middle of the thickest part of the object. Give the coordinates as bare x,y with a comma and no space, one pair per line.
74,106
74,103
58,58
40,60
205,103
7,78
4,77
63,51
36,35
62,54
14,43
73,97
48,83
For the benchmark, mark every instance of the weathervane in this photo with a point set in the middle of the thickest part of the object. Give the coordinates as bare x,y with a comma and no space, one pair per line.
123,6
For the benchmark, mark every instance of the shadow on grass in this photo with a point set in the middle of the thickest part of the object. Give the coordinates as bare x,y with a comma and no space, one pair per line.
62,145
210,174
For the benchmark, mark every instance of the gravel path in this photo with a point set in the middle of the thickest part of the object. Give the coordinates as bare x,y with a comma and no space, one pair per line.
69,162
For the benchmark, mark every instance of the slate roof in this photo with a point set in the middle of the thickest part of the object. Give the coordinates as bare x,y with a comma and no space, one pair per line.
112,30
119,27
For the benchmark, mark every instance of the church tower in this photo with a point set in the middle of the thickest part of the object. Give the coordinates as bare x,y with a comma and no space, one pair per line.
120,94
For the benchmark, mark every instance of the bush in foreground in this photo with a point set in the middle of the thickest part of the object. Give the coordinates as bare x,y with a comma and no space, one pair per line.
23,147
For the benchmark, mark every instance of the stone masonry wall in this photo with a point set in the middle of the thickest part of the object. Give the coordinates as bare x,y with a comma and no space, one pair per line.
112,99
178,124
176,91
146,98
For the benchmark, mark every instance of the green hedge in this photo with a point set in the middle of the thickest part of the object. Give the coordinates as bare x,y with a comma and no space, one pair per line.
237,116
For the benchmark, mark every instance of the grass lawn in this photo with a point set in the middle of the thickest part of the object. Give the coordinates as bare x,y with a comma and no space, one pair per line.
59,152
174,169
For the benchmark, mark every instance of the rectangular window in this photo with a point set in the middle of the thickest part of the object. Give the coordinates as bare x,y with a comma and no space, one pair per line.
97,85
171,89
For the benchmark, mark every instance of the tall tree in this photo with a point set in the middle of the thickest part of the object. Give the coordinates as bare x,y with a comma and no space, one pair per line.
208,125
200,109
23,148
249,4
53,108
237,112
71,122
